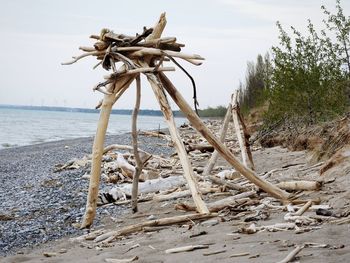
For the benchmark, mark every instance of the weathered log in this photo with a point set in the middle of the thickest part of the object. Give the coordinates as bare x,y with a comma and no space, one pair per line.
149,186
224,151
125,147
185,249
227,184
97,151
110,236
185,193
179,146
299,185
291,255
127,169
124,260
223,131
139,163
220,204
246,137
304,208
238,128
156,134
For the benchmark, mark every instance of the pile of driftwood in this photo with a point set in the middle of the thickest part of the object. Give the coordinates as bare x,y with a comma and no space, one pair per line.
228,195
146,53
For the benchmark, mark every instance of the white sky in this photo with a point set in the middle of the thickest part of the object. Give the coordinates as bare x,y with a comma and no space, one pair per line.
37,35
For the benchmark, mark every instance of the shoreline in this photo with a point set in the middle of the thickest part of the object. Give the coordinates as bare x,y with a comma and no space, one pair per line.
38,205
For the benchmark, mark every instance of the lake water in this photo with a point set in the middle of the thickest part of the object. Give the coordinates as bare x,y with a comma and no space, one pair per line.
25,127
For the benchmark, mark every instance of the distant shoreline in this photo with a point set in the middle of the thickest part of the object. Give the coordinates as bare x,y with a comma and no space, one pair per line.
144,112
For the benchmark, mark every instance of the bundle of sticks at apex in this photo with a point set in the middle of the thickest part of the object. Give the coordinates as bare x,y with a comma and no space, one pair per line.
146,53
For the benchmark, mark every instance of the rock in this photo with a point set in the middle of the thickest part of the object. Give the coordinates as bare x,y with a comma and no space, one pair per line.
49,254
151,217
211,222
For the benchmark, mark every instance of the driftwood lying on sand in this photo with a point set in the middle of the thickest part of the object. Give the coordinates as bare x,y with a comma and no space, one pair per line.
300,185
146,53
158,222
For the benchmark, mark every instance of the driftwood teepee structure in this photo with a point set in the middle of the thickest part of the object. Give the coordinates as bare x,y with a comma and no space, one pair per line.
146,53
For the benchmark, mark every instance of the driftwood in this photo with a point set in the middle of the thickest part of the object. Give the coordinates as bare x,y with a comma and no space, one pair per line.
139,163
185,249
304,208
145,54
299,185
214,157
158,222
179,146
246,137
227,184
124,260
243,140
91,204
238,129
149,186
220,204
291,255
182,194
156,134
124,147
207,134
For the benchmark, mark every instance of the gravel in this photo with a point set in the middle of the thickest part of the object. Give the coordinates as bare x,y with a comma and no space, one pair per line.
38,205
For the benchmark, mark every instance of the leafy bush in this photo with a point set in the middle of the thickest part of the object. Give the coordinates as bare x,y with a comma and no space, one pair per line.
308,77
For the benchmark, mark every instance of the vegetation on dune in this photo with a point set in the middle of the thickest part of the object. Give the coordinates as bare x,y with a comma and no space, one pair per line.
218,111
307,77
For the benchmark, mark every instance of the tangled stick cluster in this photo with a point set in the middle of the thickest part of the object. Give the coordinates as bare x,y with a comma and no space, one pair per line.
112,48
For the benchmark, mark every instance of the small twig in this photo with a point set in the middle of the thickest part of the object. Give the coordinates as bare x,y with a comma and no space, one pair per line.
75,59
195,102
128,62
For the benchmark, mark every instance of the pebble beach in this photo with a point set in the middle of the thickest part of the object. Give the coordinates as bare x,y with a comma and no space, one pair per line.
38,205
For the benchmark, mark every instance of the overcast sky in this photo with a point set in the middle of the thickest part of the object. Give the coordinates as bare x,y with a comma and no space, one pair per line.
37,35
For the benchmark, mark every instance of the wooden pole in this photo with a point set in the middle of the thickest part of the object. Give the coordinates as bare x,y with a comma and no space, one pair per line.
246,137
139,164
97,149
238,128
214,157
220,147
178,143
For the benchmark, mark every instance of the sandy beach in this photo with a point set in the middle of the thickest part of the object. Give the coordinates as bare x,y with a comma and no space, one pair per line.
38,227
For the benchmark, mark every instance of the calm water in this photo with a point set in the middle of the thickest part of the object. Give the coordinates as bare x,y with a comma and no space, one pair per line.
25,127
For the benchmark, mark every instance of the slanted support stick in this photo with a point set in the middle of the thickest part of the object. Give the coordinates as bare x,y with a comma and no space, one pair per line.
214,157
179,146
197,123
